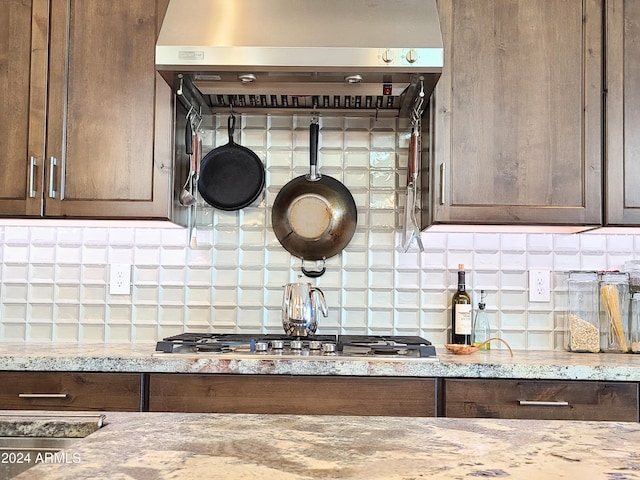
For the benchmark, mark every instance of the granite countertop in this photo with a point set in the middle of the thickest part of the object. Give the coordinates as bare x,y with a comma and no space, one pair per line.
26,423
157,446
496,363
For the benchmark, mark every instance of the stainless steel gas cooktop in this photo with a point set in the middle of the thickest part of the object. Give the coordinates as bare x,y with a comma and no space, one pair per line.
317,345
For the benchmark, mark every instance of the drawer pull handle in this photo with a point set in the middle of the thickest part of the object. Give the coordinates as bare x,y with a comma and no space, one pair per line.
43,395
543,404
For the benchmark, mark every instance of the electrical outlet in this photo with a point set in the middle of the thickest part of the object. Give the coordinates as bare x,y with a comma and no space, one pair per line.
539,286
120,279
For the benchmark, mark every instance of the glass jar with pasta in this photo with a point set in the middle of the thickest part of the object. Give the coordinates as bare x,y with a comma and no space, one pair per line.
614,312
634,324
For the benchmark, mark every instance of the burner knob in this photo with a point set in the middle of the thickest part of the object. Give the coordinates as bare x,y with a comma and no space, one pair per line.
315,345
329,348
277,344
296,344
262,347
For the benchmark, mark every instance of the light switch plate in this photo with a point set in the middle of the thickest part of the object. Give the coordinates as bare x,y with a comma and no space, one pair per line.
539,286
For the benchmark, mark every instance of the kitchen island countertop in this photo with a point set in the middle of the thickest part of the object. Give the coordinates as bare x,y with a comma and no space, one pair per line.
497,363
145,446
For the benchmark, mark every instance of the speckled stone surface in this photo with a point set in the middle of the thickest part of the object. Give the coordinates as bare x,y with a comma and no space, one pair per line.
158,446
493,364
49,424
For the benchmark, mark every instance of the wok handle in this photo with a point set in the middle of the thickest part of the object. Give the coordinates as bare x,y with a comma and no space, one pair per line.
313,152
313,144
314,273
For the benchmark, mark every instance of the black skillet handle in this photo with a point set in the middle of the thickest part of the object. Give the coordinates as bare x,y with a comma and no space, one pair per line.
231,126
188,137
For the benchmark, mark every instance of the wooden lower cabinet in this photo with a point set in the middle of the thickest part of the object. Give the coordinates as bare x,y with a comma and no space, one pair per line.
541,399
304,395
71,391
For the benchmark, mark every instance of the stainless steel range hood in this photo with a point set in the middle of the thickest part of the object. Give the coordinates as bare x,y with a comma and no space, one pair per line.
284,54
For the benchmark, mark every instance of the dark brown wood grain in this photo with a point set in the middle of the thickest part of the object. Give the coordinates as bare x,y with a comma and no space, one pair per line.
81,87
308,395
518,113
102,102
623,113
497,398
23,68
84,391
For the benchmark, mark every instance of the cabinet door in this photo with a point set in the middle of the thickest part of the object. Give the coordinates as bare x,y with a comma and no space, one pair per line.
315,395
623,113
71,391
102,112
518,113
543,400
23,76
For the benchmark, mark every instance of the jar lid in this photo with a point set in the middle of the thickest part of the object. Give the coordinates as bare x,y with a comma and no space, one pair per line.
583,276
614,277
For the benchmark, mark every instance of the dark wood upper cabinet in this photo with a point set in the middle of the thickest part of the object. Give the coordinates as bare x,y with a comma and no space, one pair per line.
92,119
518,113
24,30
622,157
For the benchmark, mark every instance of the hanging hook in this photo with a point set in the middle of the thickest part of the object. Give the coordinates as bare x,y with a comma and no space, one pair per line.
418,107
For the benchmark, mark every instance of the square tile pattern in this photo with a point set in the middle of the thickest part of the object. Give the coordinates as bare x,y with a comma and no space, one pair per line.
54,280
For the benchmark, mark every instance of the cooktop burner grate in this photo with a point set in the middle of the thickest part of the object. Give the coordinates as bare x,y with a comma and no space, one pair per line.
345,345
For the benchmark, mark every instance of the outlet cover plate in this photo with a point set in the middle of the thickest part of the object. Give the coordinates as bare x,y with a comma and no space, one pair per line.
120,279
539,286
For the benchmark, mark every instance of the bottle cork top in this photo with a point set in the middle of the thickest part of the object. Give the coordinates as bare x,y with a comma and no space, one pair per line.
460,267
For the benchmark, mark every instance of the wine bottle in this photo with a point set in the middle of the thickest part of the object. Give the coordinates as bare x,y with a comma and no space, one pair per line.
461,312
481,329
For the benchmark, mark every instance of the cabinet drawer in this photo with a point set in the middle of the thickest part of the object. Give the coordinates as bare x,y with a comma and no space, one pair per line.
292,395
70,391
539,399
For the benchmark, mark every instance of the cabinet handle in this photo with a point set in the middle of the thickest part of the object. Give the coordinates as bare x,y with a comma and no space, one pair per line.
32,177
442,191
43,395
543,404
63,176
52,164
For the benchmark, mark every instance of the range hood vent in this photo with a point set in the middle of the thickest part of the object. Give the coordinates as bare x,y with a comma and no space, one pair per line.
333,55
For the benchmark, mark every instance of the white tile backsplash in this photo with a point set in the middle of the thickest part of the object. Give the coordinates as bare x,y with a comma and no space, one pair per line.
54,280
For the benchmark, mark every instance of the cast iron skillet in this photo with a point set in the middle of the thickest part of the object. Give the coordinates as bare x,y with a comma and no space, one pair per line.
231,176
314,216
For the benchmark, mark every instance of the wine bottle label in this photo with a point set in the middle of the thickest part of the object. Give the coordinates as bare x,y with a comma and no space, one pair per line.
463,319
